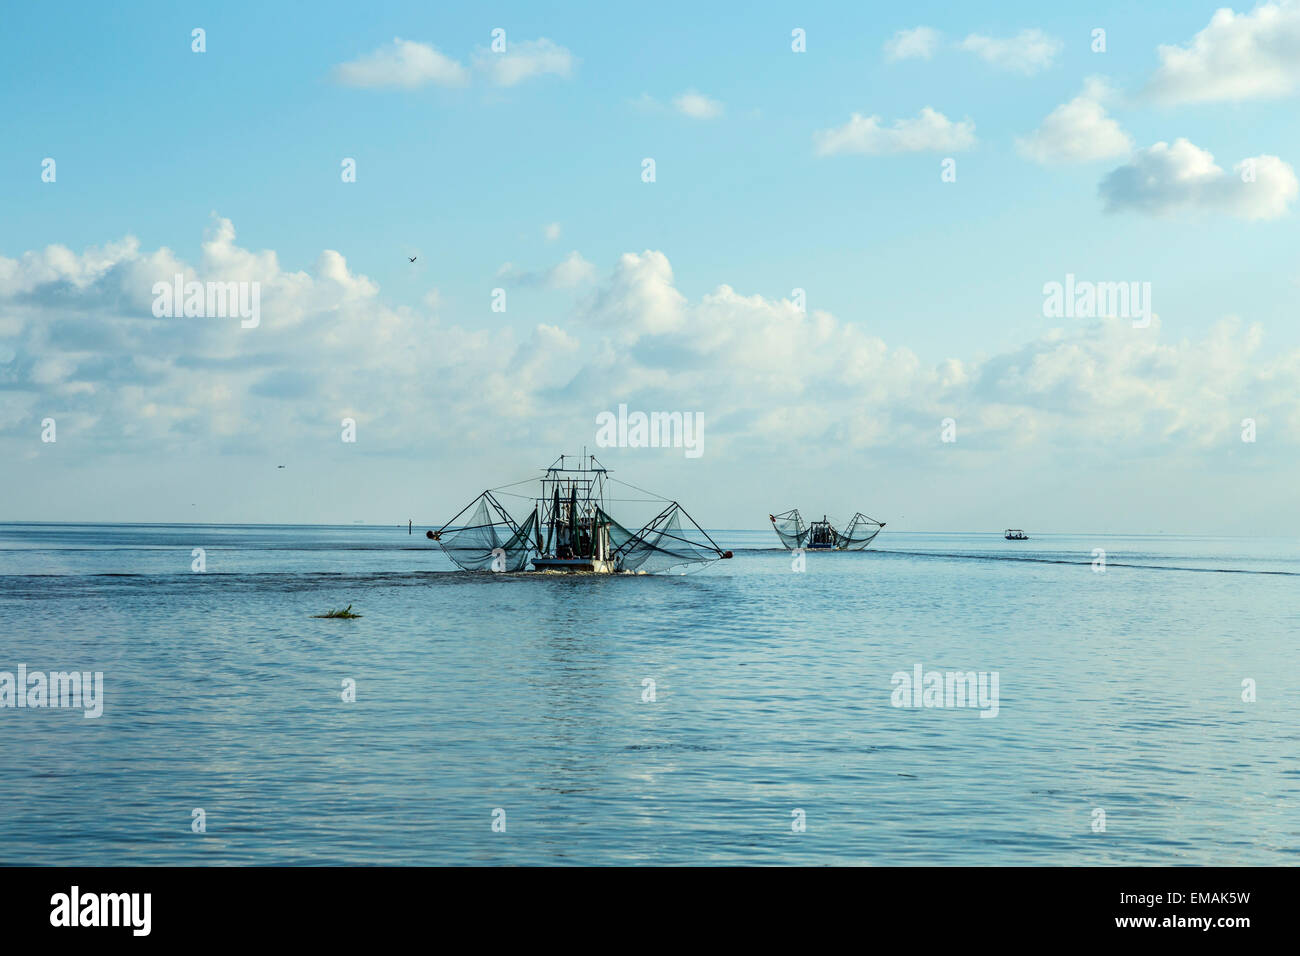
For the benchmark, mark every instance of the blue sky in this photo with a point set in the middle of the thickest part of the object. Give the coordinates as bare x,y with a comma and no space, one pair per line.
158,143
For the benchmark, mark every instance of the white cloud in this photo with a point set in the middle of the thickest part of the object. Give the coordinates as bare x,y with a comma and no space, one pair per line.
572,271
640,299
1028,52
524,60
60,265
1104,383
919,42
697,105
551,231
1079,131
403,63
1236,57
1167,180
929,131
87,350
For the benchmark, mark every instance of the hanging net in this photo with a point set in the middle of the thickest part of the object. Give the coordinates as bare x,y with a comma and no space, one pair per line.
790,528
580,536
660,545
489,540
859,533
794,533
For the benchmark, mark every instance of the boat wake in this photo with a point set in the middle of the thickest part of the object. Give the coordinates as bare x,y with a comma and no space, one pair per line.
967,556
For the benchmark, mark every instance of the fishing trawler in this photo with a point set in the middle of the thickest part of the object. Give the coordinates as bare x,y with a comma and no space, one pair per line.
823,535
569,529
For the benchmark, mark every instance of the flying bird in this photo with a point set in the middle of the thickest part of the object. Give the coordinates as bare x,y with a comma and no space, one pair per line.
412,258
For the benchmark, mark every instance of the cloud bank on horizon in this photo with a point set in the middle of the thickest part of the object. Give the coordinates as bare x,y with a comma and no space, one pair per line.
88,351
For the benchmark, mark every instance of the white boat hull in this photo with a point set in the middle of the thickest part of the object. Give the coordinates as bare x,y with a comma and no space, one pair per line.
574,565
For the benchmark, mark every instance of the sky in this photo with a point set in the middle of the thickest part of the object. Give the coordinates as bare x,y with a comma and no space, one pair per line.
841,263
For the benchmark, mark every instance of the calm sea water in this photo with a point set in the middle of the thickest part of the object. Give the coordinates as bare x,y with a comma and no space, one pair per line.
1118,691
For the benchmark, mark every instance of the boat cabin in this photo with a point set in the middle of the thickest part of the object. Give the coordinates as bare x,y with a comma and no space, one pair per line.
821,536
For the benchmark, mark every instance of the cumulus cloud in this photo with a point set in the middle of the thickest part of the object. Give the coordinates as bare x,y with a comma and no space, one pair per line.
524,60
90,351
572,271
919,42
402,64
1183,178
929,131
1079,131
640,299
87,350
1028,52
697,105
1104,382
1110,383
1238,56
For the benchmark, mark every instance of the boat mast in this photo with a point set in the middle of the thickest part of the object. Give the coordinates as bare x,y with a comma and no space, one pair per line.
573,540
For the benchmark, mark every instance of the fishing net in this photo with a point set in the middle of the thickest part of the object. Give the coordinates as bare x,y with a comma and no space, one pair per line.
859,533
661,545
790,529
489,540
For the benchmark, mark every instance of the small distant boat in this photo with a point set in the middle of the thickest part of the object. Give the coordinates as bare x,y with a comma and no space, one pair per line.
822,535
568,530
1015,534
